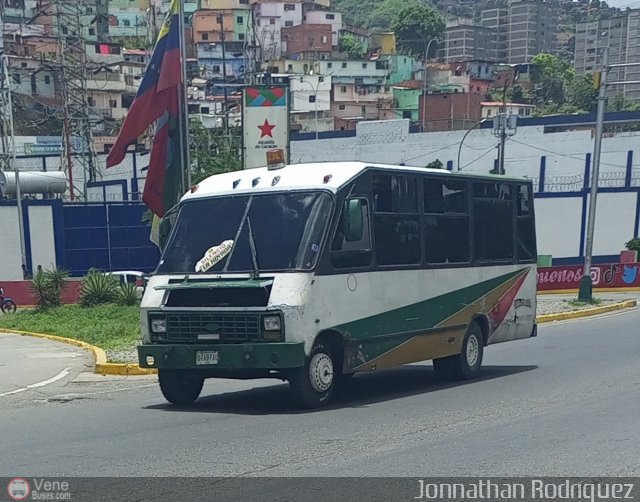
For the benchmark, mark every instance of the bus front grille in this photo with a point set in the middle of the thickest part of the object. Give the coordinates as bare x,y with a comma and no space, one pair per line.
204,326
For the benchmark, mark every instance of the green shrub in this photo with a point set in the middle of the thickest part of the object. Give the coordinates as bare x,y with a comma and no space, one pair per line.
47,286
633,244
128,294
98,288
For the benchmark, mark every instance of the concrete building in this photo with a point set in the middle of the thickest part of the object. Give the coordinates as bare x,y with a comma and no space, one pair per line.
401,67
523,29
621,35
222,41
406,99
271,18
29,40
311,103
497,20
468,76
112,90
334,19
28,76
493,108
464,40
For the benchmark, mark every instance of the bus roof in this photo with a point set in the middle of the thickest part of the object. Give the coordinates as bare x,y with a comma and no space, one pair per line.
318,175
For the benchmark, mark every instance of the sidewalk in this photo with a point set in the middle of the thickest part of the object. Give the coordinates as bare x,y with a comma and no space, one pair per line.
555,304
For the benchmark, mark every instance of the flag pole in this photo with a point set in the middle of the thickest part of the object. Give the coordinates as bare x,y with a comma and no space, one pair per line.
184,108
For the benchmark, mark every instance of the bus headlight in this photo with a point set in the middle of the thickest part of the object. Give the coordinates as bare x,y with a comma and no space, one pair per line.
271,323
159,325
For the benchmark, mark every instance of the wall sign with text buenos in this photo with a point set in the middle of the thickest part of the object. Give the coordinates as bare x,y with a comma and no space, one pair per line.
265,119
612,275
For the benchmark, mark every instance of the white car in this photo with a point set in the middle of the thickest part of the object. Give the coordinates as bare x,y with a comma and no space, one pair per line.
130,277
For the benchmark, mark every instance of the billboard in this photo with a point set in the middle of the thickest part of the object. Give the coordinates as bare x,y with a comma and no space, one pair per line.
265,123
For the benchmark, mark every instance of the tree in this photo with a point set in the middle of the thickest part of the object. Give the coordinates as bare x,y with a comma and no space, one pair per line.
551,75
415,25
351,46
516,94
213,152
582,94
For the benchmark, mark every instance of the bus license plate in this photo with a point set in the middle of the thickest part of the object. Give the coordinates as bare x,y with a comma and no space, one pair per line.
206,357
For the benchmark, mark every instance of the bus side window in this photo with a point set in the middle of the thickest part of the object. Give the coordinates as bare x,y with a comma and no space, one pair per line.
493,221
526,230
356,253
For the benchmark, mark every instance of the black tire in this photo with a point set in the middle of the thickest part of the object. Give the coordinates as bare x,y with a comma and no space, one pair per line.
8,306
312,385
466,365
180,387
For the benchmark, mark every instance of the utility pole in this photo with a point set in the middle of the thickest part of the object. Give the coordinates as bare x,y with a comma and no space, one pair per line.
73,70
585,292
504,126
224,74
427,46
7,143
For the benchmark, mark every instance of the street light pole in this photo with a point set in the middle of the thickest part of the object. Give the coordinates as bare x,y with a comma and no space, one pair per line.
585,292
465,137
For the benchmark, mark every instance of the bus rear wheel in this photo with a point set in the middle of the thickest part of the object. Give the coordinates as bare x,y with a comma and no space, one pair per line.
313,384
180,387
466,365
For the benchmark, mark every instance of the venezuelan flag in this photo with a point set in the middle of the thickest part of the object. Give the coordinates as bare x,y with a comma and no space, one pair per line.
157,100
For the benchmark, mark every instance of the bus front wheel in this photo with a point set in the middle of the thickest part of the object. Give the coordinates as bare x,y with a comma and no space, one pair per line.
313,384
180,387
466,365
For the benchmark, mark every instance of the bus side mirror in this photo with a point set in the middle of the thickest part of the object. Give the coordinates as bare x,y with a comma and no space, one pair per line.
353,223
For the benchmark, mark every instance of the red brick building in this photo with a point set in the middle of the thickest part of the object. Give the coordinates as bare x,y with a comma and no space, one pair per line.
450,111
307,41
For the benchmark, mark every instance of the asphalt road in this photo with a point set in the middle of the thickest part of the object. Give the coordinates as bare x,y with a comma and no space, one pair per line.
565,403
33,364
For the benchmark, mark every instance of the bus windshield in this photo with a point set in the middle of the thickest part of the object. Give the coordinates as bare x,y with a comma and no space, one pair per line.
253,233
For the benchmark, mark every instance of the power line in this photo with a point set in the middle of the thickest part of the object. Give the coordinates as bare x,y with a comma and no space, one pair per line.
566,155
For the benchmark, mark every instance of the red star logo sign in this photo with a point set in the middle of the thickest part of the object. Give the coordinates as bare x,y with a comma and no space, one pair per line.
266,129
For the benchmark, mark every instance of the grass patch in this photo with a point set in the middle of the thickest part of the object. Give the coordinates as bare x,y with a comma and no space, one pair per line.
579,303
111,327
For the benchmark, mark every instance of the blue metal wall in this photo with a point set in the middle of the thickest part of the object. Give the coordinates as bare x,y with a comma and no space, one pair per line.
106,236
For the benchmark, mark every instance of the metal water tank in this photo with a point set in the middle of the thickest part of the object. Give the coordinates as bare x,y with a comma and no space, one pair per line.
47,183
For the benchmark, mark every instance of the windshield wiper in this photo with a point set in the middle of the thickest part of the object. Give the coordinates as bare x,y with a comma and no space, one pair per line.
252,242
254,251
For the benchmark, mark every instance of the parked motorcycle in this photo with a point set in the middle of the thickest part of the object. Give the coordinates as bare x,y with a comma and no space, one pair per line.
6,303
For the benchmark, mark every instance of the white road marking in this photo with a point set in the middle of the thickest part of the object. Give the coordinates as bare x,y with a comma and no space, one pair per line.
65,372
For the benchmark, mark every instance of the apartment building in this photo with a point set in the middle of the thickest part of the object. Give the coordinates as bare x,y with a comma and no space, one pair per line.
497,20
464,40
523,29
621,35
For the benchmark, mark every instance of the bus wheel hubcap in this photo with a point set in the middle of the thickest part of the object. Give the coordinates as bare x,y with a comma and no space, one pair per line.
473,349
321,372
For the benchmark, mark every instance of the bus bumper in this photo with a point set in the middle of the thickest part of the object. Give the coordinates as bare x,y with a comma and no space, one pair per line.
245,356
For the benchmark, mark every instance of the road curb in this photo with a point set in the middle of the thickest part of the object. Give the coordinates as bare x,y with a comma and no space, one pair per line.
595,291
576,314
101,366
